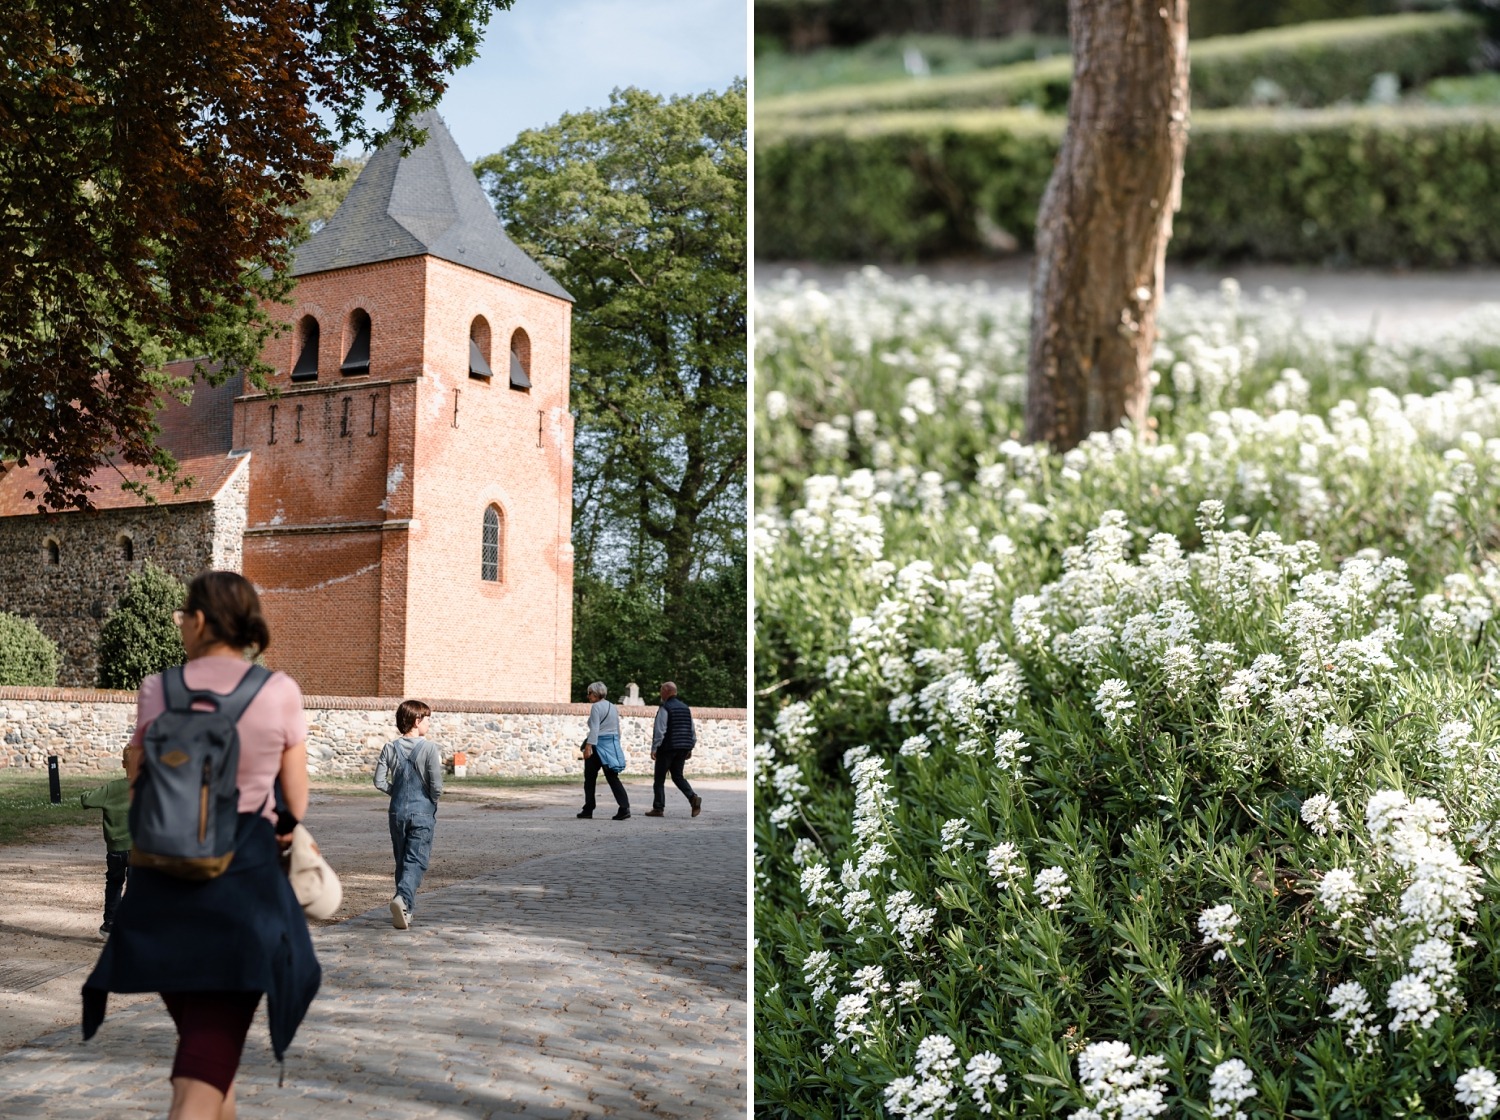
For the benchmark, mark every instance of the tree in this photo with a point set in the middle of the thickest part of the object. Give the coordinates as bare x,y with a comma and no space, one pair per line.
639,211
150,152
27,656
1106,218
139,637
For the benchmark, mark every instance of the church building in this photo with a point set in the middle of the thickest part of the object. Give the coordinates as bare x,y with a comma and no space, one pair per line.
403,502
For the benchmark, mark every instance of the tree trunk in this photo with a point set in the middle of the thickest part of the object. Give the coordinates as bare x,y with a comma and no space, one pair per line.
1106,218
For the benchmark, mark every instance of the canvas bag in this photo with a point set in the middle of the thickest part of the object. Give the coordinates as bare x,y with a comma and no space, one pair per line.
186,806
317,888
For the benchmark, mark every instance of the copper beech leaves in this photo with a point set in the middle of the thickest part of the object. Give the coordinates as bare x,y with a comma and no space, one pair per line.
151,152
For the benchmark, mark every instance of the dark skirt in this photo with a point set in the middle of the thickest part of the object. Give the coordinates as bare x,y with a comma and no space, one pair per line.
242,932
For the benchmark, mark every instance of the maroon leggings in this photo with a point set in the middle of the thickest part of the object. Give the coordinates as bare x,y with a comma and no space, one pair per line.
211,1030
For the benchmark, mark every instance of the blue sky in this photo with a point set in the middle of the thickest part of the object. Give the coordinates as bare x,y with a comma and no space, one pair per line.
544,58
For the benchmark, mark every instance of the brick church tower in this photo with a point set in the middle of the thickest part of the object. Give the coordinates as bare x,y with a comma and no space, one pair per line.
410,498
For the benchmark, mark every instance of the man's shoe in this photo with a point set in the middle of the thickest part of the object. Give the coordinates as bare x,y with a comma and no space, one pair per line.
622,815
104,931
400,915
697,804
655,813
586,815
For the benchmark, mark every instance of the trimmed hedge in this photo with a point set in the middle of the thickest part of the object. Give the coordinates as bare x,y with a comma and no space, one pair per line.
1411,187
28,658
1313,64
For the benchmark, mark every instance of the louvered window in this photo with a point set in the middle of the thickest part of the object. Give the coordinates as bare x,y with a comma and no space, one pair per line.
357,360
306,368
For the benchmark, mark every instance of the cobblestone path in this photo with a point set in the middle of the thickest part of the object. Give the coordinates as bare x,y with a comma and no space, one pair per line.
609,981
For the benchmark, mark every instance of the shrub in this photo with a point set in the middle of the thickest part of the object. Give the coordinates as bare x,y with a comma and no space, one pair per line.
1352,186
27,656
1169,762
1309,64
139,638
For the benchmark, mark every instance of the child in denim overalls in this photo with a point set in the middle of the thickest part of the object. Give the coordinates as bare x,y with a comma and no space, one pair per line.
410,771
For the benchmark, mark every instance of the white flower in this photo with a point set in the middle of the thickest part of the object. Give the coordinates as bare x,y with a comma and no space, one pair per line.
1119,1085
1340,893
1008,748
954,832
1479,1088
1229,1084
908,920
909,991
1413,1001
982,1077
1051,886
1217,924
817,970
849,1016
817,885
917,746
1321,813
1351,1005
1113,701
1005,864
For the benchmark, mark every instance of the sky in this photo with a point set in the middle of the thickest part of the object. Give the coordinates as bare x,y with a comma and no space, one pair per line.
544,58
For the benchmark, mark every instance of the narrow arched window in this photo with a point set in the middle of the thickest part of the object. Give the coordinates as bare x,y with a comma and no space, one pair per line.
306,366
489,553
51,552
127,548
520,361
479,349
357,336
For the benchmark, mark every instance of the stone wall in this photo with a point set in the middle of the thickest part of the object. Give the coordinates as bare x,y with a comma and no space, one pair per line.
87,729
70,598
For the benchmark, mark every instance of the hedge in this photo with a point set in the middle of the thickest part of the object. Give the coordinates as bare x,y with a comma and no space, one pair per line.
1410,187
1312,64
27,656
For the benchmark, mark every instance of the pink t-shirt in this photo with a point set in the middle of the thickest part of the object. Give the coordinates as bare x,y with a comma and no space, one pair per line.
272,723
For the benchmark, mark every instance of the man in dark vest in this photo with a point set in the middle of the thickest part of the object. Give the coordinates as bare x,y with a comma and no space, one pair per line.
672,742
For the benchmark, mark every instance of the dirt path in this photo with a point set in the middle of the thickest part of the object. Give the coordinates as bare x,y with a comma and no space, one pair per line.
53,891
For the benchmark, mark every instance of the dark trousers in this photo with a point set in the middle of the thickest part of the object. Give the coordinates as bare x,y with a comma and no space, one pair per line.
591,768
669,762
116,871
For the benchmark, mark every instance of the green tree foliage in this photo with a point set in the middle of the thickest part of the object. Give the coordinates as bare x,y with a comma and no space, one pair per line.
27,656
621,634
639,211
151,154
324,196
139,637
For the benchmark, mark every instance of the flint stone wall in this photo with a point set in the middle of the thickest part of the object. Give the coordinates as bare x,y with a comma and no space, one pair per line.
69,600
88,728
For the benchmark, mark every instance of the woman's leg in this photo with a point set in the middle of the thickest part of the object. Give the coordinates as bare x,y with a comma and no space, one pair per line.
211,1030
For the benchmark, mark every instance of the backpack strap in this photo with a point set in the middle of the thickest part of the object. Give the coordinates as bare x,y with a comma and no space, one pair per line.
248,689
174,689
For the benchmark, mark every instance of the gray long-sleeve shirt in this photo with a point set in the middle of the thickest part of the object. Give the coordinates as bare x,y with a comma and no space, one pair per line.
604,719
429,761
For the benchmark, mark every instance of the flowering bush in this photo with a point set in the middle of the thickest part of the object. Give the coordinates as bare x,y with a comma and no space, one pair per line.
1162,776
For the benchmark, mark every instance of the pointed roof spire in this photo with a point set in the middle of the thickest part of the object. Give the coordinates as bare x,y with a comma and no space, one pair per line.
427,203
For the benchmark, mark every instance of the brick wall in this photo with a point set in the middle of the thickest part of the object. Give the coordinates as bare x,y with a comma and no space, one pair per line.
88,728
366,511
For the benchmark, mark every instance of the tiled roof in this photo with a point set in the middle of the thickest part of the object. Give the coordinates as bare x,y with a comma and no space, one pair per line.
427,203
199,434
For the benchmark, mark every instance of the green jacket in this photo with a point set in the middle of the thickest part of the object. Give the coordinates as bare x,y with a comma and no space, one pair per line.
114,798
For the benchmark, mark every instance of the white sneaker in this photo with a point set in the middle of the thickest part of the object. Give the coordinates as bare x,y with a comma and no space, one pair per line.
400,915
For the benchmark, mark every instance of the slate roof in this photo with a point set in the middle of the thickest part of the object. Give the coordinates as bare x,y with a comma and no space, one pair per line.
430,202
199,434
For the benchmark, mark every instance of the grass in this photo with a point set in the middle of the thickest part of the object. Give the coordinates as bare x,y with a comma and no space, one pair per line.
27,814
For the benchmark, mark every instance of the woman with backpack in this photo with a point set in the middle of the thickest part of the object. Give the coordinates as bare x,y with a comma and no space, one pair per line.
210,920
601,751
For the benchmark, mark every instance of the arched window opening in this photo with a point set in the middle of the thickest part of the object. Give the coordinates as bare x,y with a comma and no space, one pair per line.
306,367
490,568
51,552
357,357
127,548
479,349
520,361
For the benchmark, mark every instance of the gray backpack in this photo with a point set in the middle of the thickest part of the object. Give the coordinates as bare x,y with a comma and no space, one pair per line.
185,811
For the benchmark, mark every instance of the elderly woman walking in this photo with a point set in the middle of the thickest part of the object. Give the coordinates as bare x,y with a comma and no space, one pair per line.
601,751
